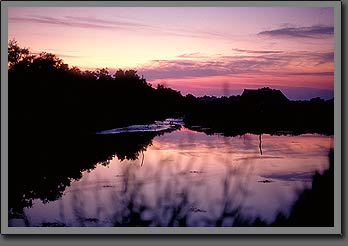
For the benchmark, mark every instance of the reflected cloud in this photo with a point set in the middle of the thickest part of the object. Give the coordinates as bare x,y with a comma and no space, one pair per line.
292,176
181,168
258,157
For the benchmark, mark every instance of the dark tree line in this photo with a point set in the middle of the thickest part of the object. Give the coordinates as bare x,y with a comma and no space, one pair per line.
237,115
44,93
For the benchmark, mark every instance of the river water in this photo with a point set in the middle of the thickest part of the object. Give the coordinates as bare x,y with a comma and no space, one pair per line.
189,178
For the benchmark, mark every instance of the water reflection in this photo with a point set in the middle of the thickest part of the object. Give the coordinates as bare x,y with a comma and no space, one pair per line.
182,178
49,166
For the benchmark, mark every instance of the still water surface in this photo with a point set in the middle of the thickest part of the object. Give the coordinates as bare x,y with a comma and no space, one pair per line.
192,174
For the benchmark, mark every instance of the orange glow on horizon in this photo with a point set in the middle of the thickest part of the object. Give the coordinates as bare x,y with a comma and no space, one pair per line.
188,48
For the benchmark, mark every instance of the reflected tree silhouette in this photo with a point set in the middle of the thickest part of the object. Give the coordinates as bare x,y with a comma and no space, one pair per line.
53,168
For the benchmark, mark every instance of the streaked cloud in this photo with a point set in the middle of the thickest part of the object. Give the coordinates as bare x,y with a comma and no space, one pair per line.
317,57
196,55
108,24
59,55
80,22
258,51
310,73
196,50
300,32
187,65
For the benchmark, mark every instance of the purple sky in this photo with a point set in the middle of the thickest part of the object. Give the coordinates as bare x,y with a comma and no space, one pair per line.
200,50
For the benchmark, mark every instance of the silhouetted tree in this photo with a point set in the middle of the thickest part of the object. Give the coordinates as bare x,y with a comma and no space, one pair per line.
89,75
103,74
119,74
16,54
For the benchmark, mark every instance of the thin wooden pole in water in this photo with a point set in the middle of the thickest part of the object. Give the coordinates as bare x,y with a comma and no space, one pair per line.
142,160
260,145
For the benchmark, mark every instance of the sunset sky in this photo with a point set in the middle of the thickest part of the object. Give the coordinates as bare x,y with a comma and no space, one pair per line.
198,50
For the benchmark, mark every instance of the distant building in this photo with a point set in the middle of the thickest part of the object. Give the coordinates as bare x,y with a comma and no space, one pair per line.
265,94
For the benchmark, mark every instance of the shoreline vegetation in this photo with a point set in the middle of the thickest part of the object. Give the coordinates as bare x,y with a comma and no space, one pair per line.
45,95
56,111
